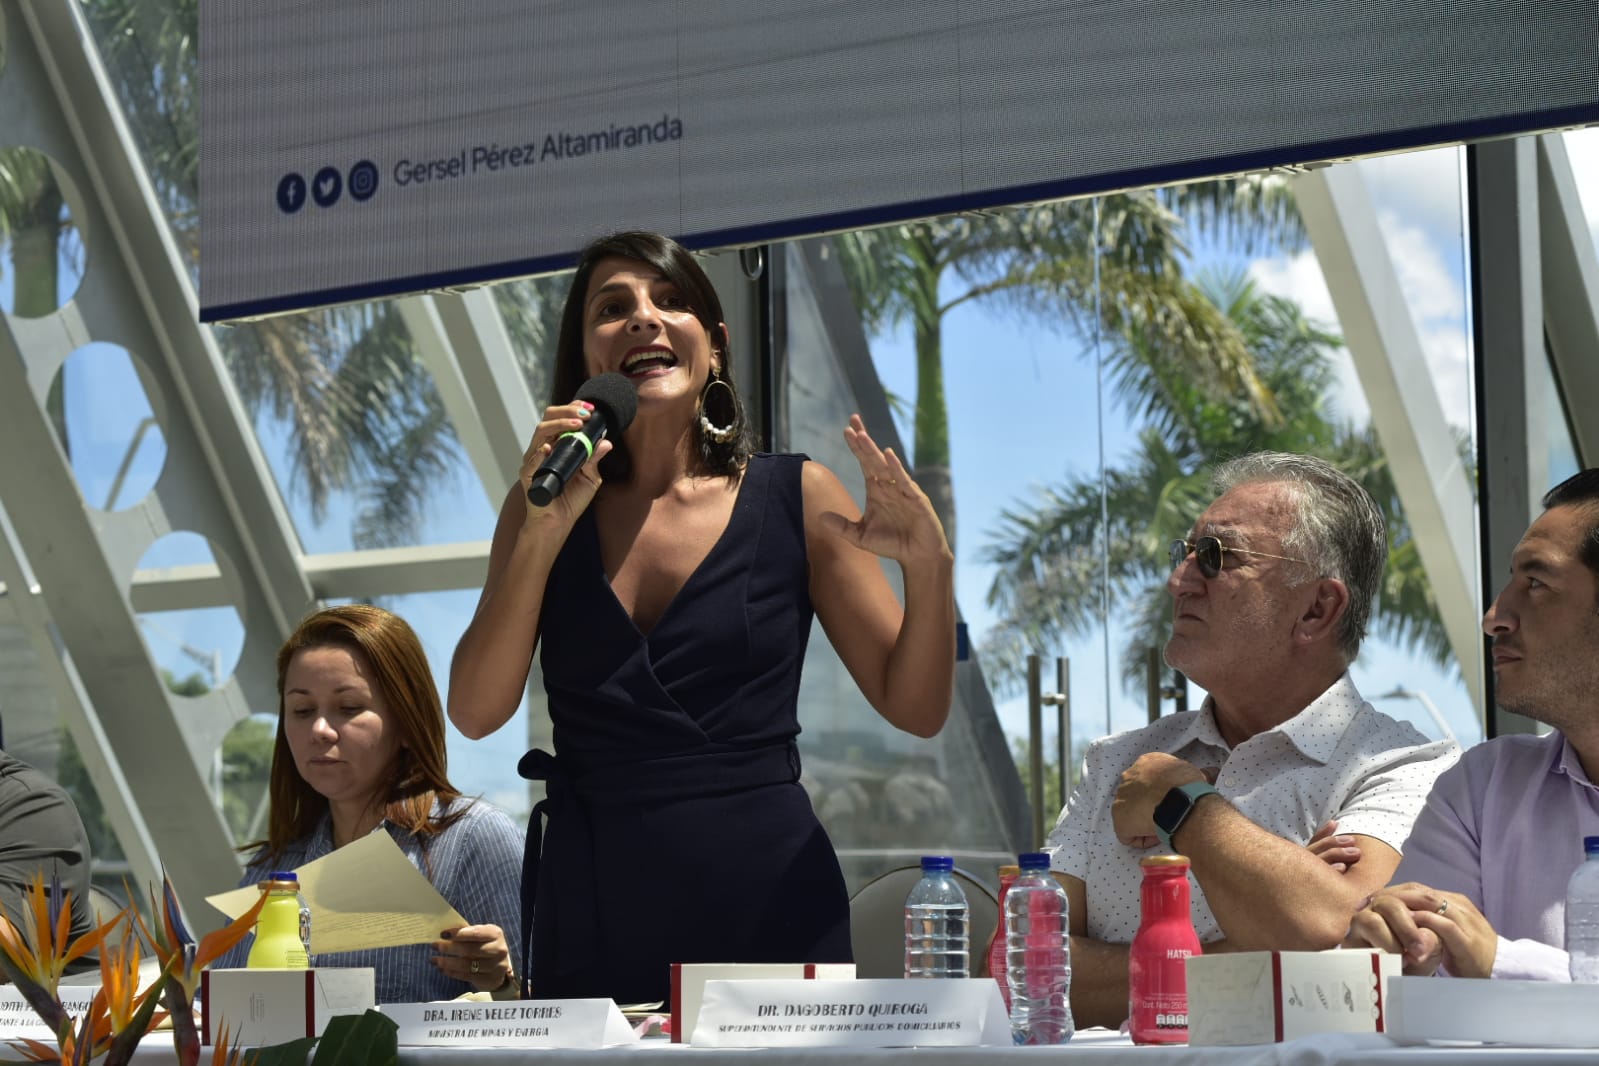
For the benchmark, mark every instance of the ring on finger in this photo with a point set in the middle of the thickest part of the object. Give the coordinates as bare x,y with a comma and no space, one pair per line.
475,966
1443,907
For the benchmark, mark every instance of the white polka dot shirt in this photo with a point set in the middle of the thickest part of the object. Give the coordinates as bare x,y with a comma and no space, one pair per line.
1338,759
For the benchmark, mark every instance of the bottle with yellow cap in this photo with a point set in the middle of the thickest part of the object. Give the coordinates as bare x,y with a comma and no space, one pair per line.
283,928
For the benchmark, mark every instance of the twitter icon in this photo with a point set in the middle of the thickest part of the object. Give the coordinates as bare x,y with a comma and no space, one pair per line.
326,186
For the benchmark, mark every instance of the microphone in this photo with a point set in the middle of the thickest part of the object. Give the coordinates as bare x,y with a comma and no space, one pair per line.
615,403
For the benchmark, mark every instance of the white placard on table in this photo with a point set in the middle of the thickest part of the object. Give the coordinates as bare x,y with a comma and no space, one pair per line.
563,1023
1528,1013
18,1019
1263,997
689,980
262,1005
868,1013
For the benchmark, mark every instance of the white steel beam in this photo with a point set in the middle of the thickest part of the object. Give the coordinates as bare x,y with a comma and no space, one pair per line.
1405,410
333,575
215,482
60,675
1570,294
463,343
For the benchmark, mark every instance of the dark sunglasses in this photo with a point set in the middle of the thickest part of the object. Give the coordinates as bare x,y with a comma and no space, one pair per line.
1207,553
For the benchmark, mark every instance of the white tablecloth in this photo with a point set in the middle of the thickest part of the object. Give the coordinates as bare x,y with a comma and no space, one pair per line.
1093,1047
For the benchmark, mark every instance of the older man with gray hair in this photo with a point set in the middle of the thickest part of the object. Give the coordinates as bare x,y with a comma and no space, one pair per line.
1272,592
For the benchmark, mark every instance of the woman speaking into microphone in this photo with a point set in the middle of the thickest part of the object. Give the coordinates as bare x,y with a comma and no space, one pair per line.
672,578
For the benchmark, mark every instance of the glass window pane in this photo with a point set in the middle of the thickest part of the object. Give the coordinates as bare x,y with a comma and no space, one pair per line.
1556,425
1582,146
884,796
151,55
355,431
1407,666
1053,363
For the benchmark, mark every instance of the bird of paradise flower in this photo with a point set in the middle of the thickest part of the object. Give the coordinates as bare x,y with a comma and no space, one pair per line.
182,960
36,956
119,1014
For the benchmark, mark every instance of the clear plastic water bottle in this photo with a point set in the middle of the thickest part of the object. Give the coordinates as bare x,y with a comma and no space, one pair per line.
937,923
1038,961
1582,915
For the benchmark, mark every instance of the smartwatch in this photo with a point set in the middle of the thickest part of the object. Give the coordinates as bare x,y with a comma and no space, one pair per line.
1171,811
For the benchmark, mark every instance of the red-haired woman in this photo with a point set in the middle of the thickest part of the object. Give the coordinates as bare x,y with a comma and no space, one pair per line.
360,749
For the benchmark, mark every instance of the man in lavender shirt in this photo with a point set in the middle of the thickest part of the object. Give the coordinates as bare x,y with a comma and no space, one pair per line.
1484,873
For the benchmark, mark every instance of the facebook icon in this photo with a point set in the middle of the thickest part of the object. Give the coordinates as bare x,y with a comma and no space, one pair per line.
291,193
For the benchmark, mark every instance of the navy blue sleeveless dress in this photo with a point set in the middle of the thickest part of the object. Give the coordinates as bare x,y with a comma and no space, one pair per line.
675,828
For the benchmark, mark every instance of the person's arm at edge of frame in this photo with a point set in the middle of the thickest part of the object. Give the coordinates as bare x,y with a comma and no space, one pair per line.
1271,894
903,660
1443,861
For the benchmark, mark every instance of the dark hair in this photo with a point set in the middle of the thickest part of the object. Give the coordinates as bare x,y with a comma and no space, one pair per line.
1340,530
1581,490
678,266
402,676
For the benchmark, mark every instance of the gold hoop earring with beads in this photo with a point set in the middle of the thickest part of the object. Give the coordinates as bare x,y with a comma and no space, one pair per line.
719,434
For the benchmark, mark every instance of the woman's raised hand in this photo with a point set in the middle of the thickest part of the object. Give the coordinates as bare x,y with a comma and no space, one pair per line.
581,487
898,521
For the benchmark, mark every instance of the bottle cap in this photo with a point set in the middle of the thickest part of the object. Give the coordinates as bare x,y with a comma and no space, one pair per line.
1590,844
1009,871
1033,860
938,862
1156,861
284,875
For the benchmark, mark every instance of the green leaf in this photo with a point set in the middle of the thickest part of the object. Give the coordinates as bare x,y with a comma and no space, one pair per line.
369,1039
293,1053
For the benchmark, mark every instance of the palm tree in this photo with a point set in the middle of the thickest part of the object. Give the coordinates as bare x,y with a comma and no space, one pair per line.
1041,260
37,230
1049,552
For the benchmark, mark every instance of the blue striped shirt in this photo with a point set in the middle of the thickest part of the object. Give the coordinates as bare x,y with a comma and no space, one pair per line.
476,864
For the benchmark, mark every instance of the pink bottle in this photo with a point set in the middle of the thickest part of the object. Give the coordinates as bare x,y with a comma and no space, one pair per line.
995,954
1157,979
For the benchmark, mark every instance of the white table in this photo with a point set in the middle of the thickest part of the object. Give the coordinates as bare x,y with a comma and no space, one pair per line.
1093,1047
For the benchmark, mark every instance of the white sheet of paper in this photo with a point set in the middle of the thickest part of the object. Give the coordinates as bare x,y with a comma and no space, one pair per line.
363,895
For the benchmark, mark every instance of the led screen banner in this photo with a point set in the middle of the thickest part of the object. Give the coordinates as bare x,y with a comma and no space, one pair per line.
359,148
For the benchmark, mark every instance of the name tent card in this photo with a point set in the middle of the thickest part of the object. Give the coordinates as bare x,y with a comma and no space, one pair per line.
562,1023
269,1006
1543,1014
864,1013
689,980
1262,997
18,1020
